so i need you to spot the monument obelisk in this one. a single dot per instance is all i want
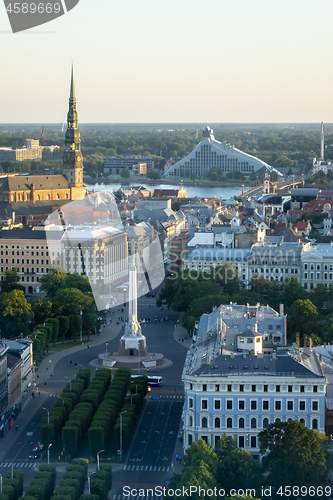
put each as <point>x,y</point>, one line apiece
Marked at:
<point>132,343</point>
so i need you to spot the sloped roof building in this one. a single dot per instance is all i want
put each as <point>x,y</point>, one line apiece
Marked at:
<point>210,153</point>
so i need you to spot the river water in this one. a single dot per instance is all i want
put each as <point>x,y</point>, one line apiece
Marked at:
<point>192,191</point>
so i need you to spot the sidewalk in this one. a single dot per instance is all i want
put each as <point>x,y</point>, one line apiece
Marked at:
<point>109,332</point>
<point>32,405</point>
<point>180,333</point>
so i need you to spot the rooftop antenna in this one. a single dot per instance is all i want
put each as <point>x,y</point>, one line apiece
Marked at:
<point>322,141</point>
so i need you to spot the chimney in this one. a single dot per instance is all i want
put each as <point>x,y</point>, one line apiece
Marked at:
<point>311,344</point>
<point>281,309</point>
<point>298,339</point>
<point>256,326</point>
<point>304,342</point>
<point>325,345</point>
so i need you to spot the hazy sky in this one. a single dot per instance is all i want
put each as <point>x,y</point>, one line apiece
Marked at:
<point>173,61</point>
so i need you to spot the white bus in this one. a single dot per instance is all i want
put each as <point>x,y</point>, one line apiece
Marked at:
<point>152,381</point>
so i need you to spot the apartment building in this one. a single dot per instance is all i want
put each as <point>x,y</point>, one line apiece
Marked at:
<point>239,377</point>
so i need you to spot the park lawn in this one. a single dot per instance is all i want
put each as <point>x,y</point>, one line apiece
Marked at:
<point>67,345</point>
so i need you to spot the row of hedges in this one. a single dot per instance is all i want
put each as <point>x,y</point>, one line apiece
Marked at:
<point>42,484</point>
<point>12,487</point>
<point>80,418</point>
<point>100,483</point>
<point>71,487</point>
<point>59,414</point>
<point>131,411</point>
<point>100,432</point>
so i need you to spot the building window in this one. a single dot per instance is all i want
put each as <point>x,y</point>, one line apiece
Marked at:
<point>229,423</point>
<point>241,442</point>
<point>241,404</point>
<point>253,388</point>
<point>302,388</point>
<point>190,403</point>
<point>190,421</point>
<point>253,423</point>
<point>301,405</point>
<point>217,423</point>
<point>277,420</point>
<point>302,421</point>
<point>315,424</point>
<point>229,388</point>
<point>204,387</point>
<point>204,422</point>
<point>315,388</point>
<point>217,387</point>
<point>217,404</point>
<point>204,404</point>
<point>265,423</point>
<point>253,405</point>
<point>265,388</point>
<point>253,441</point>
<point>265,404</point>
<point>290,405</point>
<point>190,438</point>
<point>229,404</point>
<point>290,388</point>
<point>277,388</point>
<point>315,406</point>
<point>278,405</point>
<point>241,423</point>
<point>241,388</point>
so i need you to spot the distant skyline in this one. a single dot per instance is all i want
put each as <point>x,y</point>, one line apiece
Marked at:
<point>181,61</point>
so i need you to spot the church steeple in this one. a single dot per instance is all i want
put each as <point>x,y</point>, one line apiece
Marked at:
<point>72,160</point>
<point>72,91</point>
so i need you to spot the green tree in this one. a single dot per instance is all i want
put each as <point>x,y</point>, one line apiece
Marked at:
<point>42,309</point>
<point>75,325</point>
<point>291,291</point>
<point>11,281</point>
<point>295,455</point>
<point>319,295</point>
<point>125,173</point>
<point>153,174</point>
<point>52,281</point>
<point>301,317</point>
<point>228,279</point>
<point>78,281</point>
<point>70,301</point>
<point>63,326</point>
<point>16,313</point>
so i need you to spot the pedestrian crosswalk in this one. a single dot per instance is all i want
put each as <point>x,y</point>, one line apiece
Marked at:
<point>165,396</point>
<point>132,497</point>
<point>18,465</point>
<point>146,468</point>
<point>54,395</point>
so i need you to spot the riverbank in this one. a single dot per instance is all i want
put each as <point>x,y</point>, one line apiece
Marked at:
<point>135,181</point>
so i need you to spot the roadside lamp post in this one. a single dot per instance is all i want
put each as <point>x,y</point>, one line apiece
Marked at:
<point>48,453</point>
<point>48,414</point>
<point>89,474</point>
<point>121,435</point>
<point>98,458</point>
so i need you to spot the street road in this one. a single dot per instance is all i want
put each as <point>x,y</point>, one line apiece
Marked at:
<point>149,460</point>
